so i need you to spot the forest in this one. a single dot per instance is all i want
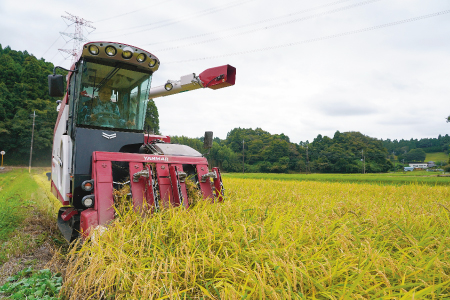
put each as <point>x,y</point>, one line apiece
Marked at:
<point>24,90</point>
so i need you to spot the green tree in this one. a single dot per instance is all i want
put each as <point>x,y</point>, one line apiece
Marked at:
<point>152,117</point>
<point>415,155</point>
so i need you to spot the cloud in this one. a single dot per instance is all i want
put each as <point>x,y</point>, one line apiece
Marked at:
<point>344,108</point>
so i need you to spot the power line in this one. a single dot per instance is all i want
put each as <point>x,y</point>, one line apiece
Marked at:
<point>171,22</point>
<point>132,12</point>
<point>272,26</point>
<point>53,43</point>
<point>327,37</point>
<point>253,23</point>
<point>56,53</point>
<point>51,46</point>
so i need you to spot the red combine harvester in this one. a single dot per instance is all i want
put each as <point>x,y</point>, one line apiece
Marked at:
<point>99,142</point>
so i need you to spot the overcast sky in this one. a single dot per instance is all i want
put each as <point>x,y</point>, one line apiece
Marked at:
<point>303,67</point>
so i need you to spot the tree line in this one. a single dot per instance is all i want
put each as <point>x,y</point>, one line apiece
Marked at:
<point>256,150</point>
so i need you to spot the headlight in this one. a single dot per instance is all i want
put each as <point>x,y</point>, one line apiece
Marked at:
<point>152,62</point>
<point>93,49</point>
<point>88,201</point>
<point>111,51</point>
<point>141,57</point>
<point>168,86</point>
<point>127,54</point>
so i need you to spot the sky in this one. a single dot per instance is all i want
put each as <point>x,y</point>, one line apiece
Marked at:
<point>303,68</point>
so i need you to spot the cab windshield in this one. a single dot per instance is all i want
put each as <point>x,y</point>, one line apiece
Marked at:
<point>112,97</point>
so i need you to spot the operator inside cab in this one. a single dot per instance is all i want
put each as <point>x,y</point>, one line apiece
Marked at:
<point>106,112</point>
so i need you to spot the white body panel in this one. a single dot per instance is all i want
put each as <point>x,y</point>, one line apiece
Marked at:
<point>62,156</point>
<point>186,83</point>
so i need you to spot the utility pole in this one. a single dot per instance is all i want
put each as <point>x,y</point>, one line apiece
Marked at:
<point>77,37</point>
<point>363,159</point>
<point>307,160</point>
<point>243,165</point>
<point>32,137</point>
<point>2,153</point>
<point>393,158</point>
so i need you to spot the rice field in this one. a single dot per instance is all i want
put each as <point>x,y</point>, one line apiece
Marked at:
<point>275,239</point>
<point>397,178</point>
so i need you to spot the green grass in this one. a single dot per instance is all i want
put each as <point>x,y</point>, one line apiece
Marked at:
<point>16,189</point>
<point>438,156</point>
<point>27,216</point>
<point>399,178</point>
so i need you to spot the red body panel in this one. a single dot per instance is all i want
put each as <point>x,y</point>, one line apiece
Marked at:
<point>205,186</point>
<point>218,186</point>
<point>88,220</point>
<point>137,188</point>
<point>103,191</point>
<point>208,77</point>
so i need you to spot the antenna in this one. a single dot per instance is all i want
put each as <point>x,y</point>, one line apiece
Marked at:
<point>77,37</point>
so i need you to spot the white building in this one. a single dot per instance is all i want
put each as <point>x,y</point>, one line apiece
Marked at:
<point>419,165</point>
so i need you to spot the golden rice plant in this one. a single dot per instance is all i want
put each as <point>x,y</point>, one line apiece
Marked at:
<point>275,240</point>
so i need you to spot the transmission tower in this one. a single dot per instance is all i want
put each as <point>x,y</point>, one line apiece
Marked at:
<point>77,37</point>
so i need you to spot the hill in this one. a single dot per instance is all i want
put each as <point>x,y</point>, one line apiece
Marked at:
<point>437,157</point>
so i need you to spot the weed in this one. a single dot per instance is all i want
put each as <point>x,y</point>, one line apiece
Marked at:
<point>30,284</point>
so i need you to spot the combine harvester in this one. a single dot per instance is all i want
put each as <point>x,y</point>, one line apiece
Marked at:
<point>100,145</point>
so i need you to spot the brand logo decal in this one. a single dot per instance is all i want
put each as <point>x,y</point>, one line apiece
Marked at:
<point>156,158</point>
<point>108,136</point>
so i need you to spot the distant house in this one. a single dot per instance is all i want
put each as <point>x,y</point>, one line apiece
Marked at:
<point>431,164</point>
<point>406,169</point>
<point>419,165</point>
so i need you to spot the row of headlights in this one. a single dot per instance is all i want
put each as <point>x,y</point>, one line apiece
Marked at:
<point>127,53</point>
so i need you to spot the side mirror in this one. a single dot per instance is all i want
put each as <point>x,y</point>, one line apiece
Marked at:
<point>208,141</point>
<point>55,85</point>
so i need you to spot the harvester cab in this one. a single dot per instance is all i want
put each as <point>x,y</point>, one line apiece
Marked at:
<point>100,145</point>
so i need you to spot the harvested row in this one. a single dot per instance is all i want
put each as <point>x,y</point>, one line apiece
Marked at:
<point>275,240</point>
